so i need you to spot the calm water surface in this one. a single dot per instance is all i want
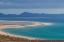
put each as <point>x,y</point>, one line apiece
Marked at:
<point>52,32</point>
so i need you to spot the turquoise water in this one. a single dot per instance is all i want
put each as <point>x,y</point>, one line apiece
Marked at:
<point>52,32</point>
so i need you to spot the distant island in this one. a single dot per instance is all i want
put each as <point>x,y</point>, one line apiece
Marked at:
<point>28,14</point>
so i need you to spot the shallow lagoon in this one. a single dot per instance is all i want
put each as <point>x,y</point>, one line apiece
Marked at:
<point>52,32</point>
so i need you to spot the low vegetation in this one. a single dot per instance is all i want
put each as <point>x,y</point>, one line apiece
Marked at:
<point>4,38</point>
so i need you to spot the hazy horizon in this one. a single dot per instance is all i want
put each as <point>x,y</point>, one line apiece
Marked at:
<point>19,11</point>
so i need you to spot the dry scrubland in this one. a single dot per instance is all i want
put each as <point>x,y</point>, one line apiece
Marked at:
<point>4,38</point>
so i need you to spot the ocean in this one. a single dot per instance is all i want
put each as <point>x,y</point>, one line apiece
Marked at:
<point>52,32</point>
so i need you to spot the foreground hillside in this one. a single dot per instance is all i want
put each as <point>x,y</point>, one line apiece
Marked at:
<point>4,38</point>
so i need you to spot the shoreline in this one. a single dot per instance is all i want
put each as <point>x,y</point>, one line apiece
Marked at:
<point>9,25</point>
<point>18,36</point>
<point>13,35</point>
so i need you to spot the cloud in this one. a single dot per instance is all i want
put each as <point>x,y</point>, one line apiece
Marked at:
<point>1,2</point>
<point>5,3</point>
<point>31,4</point>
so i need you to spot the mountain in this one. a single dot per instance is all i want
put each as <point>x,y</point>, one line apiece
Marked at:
<point>27,14</point>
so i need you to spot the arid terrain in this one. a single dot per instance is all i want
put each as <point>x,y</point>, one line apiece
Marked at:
<point>4,38</point>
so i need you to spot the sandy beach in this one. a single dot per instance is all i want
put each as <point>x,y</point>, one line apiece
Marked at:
<point>12,35</point>
<point>17,25</point>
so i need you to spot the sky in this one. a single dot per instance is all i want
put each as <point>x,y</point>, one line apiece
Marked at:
<point>29,5</point>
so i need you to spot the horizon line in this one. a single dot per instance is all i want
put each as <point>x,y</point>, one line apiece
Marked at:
<point>33,12</point>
